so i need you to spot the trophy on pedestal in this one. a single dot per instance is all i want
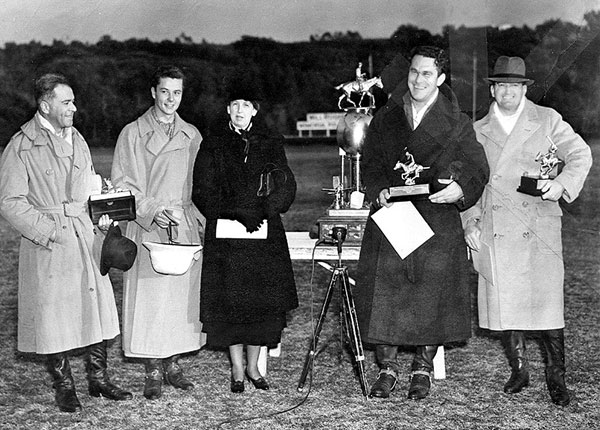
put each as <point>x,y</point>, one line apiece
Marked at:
<point>533,184</point>
<point>412,171</point>
<point>349,206</point>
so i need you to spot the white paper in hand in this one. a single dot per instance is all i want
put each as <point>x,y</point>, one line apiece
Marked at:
<point>231,229</point>
<point>403,226</point>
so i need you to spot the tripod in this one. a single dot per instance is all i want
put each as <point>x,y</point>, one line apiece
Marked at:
<point>348,317</point>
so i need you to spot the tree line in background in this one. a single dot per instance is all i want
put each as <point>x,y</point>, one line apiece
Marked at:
<point>112,78</point>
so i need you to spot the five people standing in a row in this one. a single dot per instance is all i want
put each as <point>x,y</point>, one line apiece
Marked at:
<point>189,189</point>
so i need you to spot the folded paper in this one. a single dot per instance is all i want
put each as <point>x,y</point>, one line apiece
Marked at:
<point>403,226</point>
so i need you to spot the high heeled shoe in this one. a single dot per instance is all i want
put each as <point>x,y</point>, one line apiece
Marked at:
<point>259,383</point>
<point>237,386</point>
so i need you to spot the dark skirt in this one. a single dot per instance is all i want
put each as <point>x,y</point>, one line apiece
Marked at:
<point>221,334</point>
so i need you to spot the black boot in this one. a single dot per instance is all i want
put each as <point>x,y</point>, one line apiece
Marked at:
<point>554,344</point>
<point>99,382</point>
<point>514,343</point>
<point>388,371</point>
<point>173,374</point>
<point>59,368</point>
<point>422,367</point>
<point>154,378</point>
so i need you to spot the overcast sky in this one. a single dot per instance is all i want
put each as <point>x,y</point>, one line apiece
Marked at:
<point>225,21</point>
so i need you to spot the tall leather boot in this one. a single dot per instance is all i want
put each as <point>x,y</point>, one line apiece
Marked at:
<point>554,344</point>
<point>99,382</point>
<point>388,371</point>
<point>173,374</point>
<point>65,396</point>
<point>514,343</point>
<point>422,367</point>
<point>154,378</point>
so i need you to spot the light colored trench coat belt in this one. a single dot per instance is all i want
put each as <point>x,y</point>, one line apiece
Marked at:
<point>69,209</point>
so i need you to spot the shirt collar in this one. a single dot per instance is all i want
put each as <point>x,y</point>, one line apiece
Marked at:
<point>66,133</point>
<point>418,116</point>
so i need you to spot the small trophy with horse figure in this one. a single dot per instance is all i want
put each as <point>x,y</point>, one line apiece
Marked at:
<point>412,171</point>
<point>533,184</point>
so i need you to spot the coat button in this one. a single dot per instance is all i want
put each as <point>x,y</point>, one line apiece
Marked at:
<point>64,227</point>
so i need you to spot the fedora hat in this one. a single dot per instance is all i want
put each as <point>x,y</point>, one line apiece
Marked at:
<point>509,69</point>
<point>117,251</point>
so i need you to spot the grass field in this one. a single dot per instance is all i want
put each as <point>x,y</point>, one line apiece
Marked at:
<point>470,397</point>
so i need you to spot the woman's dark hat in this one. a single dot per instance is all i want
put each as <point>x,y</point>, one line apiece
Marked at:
<point>242,87</point>
<point>117,251</point>
<point>509,69</point>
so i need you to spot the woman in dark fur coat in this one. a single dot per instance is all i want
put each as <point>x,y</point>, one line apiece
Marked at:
<point>241,174</point>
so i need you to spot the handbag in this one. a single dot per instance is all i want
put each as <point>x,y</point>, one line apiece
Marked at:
<point>266,184</point>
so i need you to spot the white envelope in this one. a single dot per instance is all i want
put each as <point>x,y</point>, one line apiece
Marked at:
<point>232,229</point>
<point>403,226</point>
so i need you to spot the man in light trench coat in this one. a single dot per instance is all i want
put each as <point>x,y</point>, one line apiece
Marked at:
<point>520,234</point>
<point>46,177</point>
<point>154,158</point>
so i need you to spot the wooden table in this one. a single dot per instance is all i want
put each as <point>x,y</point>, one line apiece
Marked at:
<point>301,248</point>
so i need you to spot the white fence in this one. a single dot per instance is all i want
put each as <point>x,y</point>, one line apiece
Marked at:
<point>324,121</point>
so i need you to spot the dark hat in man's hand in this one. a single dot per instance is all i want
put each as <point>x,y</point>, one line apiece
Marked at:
<point>509,69</point>
<point>118,251</point>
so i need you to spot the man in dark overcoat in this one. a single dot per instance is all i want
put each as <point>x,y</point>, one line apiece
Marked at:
<point>422,300</point>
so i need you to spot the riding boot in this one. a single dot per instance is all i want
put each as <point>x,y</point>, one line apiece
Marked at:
<point>66,397</point>
<point>388,371</point>
<point>99,382</point>
<point>514,343</point>
<point>154,378</point>
<point>554,345</point>
<point>173,374</point>
<point>422,368</point>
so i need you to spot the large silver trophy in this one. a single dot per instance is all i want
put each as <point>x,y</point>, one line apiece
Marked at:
<point>351,132</point>
<point>349,208</point>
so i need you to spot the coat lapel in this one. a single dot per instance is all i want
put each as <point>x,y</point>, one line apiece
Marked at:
<point>526,126</point>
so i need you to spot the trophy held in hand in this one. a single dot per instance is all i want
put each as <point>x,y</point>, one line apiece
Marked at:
<point>533,184</point>
<point>411,190</point>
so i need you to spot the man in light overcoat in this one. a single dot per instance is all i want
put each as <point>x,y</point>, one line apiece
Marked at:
<point>154,158</point>
<point>46,178</point>
<point>516,236</point>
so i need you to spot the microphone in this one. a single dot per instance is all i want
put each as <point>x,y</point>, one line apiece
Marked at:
<point>339,234</point>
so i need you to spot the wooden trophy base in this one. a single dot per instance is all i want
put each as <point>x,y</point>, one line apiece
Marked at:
<point>409,192</point>
<point>532,185</point>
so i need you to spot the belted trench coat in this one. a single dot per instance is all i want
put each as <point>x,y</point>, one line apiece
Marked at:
<point>425,298</point>
<point>523,231</point>
<point>63,300</point>
<point>160,312</point>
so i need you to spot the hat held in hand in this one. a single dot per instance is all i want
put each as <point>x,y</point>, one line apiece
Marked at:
<point>510,70</point>
<point>118,251</point>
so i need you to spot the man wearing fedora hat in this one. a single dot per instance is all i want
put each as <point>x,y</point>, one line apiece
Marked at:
<point>519,234</point>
